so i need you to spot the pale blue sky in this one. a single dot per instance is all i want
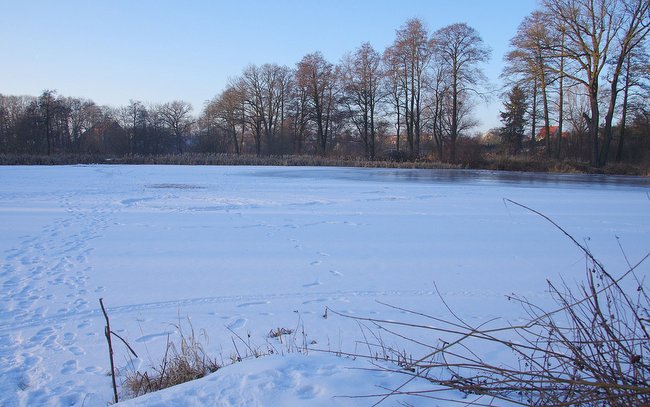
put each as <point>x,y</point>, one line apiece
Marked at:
<point>160,50</point>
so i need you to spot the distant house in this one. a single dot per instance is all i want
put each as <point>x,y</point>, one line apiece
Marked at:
<point>106,137</point>
<point>554,130</point>
<point>491,138</point>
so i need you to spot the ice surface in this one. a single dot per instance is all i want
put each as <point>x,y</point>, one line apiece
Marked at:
<point>247,250</point>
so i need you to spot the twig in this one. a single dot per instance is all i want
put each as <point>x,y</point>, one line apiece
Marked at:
<point>126,344</point>
<point>107,333</point>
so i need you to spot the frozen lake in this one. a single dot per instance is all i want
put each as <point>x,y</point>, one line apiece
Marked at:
<point>251,249</point>
<point>470,177</point>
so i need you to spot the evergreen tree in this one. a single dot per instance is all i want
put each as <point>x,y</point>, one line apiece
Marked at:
<point>513,119</point>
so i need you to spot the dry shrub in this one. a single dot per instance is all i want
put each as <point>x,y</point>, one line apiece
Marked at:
<point>181,363</point>
<point>218,159</point>
<point>592,350</point>
<point>187,360</point>
<point>279,332</point>
<point>274,160</point>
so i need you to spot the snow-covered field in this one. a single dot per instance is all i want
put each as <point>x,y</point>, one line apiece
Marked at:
<point>241,251</point>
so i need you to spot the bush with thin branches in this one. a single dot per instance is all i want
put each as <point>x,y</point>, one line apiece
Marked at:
<point>593,349</point>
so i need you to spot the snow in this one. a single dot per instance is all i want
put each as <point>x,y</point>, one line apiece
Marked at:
<point>289,380</point>
<point>239,251</point>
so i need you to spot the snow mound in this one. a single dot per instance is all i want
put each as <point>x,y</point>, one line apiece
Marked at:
<point>293,380</point>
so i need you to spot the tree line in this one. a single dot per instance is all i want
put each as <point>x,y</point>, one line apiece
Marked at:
<point>576,67</point>
<point>577,78</point>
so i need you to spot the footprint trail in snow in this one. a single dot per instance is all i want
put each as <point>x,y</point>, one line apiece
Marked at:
<point>46,294</point>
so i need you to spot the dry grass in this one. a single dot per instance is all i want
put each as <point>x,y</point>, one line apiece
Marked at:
<point>280,332</point>
<point>475,160</point>
<point>537,163</point>
<point>182,362</point>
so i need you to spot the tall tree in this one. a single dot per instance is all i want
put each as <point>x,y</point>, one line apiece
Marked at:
<point>266,90</point>
<point>408,60</point>
<point>227,111</point>
<point>528,63</point>
<point>635,26</point>
<point>84,114</point>
<point>317,78</point>
<point>460,49</point>
<point>560,118</point>
<point>438,105</point>
<point>298,116</point>
<point>133,119</point>
<point>513,118</point>
<point>596,31</point>
<point>394,89</point>
<point>177,117</point>
<point>636,75</point>
<point>576,106</point>
<point>48,109</point>
<point>4,124</point>
<point>13,110</point>
<point>361,75</point>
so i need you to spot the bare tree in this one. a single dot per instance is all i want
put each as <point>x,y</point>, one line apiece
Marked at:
<point>577,107</point>
<point>361,75</point>
<point>159,135</point>
<point>528,66</point>
<point>394,89</point>
<point>5,124</point>
<point>227,111</point>
<point>83,115</point>
<point>408,60</point>
<point>177,117</point>
<point>133,119</point>
<point>250,86</point>
<point>439,101</point>
<point>634,29</point>
<point>595,31</point>
<point>316,77</point>
<point>460,49</point>
<point>636,75</point>
<point>297,113</point>
<point>266,92</point>
<point>13,110</point>
<point>52,118</point>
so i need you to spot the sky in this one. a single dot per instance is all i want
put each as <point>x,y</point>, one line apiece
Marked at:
<point>157,51</point>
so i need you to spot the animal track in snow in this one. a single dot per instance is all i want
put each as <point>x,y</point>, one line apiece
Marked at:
<point>318,300</point>
<point>151,337</point>
<point>237,324</point>
<point>251,304</point>
<point>69,367</point>
<point>314,284</point>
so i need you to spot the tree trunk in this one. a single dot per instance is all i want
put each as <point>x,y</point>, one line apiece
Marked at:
<point>626,89</point>
<point>547,122</point>
<point>609,119</point>
<point>560,119</point>
<point>534,116</point>
<point>593,124</point>
<point>48,130</point>
<point>454,114</point>
<point>398,129</point>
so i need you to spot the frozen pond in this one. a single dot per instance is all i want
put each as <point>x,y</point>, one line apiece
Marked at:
<point>245,250</point>
<point>471,177</point>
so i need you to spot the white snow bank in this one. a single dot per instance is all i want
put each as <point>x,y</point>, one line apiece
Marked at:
<point>291,380</point>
